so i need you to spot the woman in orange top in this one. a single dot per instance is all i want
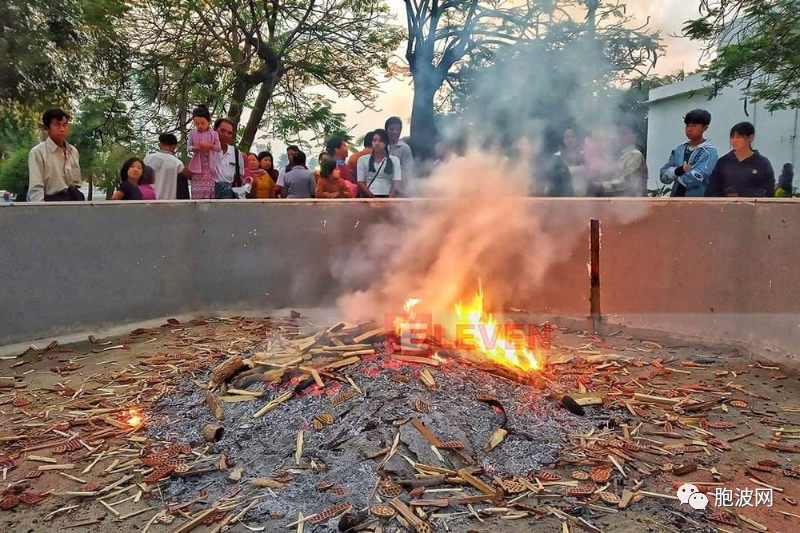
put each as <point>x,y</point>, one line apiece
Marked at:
<point>263,175</point>
<point>330,184</point>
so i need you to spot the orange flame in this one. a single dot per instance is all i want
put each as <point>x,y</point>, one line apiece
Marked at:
<point>400,323</point>
<point>134,417</point>
<point>489,340</point>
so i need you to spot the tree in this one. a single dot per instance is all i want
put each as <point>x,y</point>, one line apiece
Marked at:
<point>440,34</point>
<point>260,57</point>
<point>462,43</point>
<point>756,41</point>
<point>51,49</point>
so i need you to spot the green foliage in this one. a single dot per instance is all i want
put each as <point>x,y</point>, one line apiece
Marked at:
<point>18,127</point>
<point>14,172</point>
<point>753,42</point>
<point>269,57</point>
<point>51,49</point>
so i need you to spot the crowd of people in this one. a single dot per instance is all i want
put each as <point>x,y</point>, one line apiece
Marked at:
<point>572,166</point>
<point>567,166</point>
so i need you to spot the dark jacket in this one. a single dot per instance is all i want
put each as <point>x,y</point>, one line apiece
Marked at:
<point>753,177</point>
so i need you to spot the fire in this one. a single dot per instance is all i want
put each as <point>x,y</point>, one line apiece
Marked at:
<point>489,340</point>
<point>134,417</point>
<point>401,324</point>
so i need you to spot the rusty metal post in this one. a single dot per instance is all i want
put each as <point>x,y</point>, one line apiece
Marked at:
<point>594,273</point>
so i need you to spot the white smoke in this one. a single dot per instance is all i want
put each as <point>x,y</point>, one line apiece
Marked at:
<point>475,223</point>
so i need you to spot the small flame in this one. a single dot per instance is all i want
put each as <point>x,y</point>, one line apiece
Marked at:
<point>134,417</point>
<point>400,323</point>
<point>490,340</point>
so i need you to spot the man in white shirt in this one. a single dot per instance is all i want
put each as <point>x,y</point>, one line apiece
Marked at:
<point>53,164</point>
<point>166,167</point>
<point>229,162</point>
<point>399,149</point>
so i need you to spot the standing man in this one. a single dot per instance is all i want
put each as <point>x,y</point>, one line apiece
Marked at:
<point>690,165</point>
<point>338,151</point>
<point>55,172</point>
<point>291,150</point>
<point>166,167</point>
<point>627,174</point>
<point>230,162</point>
<point>399,149</point>
<point>353,161</point>
<point>299,182</point>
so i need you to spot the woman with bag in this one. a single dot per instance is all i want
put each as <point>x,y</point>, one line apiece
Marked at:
<point>378,174</point>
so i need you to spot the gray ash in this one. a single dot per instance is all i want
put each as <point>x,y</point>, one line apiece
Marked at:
<point>362,426</point>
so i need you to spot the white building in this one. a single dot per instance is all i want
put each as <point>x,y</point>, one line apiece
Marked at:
<point>776,133</point>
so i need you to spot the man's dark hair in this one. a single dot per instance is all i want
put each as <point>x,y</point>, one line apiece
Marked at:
<point>293,147</point>
<point>368,139</point>
<point>327,168</point>
<point>168,139</point>
<point>333,144</point>
<point>745,129</point>
<point>54,114</point>
<point>299,158</point>
<point>697,116</point>
<point>220,120</point>
<point>393,121</point>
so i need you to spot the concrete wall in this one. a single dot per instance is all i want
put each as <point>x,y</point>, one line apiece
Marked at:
<point>719,269</point>
<point>776,133</point>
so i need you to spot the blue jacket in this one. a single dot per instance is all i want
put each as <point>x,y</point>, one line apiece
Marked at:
<point>703,160</point>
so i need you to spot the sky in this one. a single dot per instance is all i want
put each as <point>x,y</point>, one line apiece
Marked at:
<point>666,16</point>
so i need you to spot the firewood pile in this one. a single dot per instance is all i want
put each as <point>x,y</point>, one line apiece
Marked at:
<point>281,425</point>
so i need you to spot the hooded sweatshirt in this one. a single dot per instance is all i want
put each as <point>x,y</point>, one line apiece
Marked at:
<point>703,159</point>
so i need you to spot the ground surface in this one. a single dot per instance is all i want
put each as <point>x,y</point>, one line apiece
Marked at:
<point>140,373</point>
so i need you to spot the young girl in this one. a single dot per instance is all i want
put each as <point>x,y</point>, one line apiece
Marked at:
<point>379,174</point>
<point>146,183</point>
<point>129,176</point>
<point>330,184</point>
<point>742,171</point>
<point>203,140</point>
<point>264,179</point>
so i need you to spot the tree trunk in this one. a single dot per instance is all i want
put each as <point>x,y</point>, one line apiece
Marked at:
<point>423,119</point>
<point>240,89</point>
<point>260,106</point>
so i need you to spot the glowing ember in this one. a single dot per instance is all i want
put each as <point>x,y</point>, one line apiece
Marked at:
<point>490,340</point>
<point>133,417</point>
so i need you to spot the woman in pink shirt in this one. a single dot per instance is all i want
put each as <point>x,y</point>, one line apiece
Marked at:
<point>203,140</point>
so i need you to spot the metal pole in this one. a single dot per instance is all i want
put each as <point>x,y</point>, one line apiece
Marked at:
<point>594,272</point>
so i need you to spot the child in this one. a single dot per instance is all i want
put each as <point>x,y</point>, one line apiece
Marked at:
<point>130,174</point>
<point>330,183</point>
<point>690,165</point>
<point>202,141</point>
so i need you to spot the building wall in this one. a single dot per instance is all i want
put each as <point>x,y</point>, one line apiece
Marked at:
<point>717,269</point>
<point>776,133</point>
